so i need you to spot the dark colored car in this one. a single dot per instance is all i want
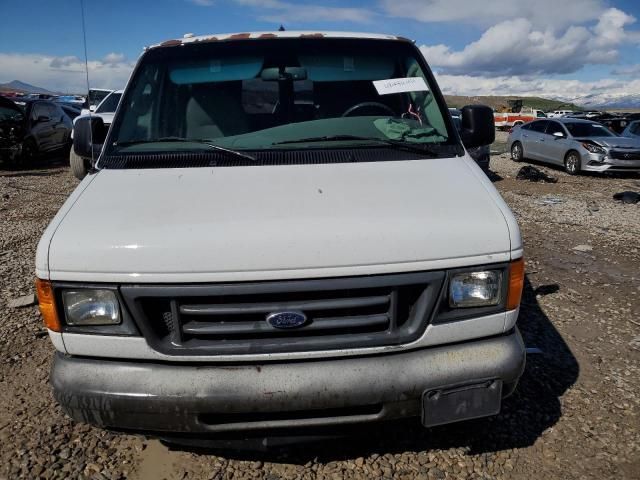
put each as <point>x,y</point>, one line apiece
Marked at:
<point>31,129</point>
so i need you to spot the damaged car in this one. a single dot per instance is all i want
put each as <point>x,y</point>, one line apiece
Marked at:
<point>575,144</point>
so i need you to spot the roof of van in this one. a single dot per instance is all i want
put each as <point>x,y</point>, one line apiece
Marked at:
<point>190,38</point>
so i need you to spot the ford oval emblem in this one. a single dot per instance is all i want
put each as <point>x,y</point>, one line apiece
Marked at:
<point>285,320</point>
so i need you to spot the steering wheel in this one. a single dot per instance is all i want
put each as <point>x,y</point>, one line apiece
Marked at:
<point>372,105</point>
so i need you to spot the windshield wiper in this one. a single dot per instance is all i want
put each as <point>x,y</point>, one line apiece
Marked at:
<point>413,147</point>
<point>204,142</point>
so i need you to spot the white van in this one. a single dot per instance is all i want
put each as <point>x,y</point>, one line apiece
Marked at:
<point>282,230</point>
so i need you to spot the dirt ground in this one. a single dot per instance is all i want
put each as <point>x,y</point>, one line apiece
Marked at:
<point>575,414</point>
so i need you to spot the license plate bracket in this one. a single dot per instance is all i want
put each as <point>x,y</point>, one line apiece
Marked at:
<point>463,402</point>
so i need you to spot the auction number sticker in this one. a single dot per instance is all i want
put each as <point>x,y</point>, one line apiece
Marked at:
<point>400,85</point>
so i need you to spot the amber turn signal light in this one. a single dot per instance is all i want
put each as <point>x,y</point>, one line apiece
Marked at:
<point>516,283</point>
<point>47,304</point>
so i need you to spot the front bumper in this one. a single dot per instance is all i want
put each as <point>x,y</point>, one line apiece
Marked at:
<point>165,397</point>
<point>592,162</point>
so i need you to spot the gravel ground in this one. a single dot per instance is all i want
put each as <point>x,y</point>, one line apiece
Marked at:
<point>573,416</point>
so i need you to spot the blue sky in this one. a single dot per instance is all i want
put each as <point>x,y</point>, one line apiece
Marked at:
<point>475,47</point>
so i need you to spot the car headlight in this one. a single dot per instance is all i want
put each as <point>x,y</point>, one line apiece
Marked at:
<point>91,307</point>
<point>475,289</point>
<point>593,148</point>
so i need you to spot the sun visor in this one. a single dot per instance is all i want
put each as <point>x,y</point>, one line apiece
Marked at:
<point>336,68</point>
<point>216,70</point>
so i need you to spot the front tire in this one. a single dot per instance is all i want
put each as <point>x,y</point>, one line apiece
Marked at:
<point>517,153</point>
<point>78,165</point>
<point>29,153</point>
<point>572,163</point>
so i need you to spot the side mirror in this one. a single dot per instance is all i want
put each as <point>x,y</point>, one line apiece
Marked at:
<point>89,134</point>
<point>478,127</point>
<point>43,119</point>
<point>558,135</point>
<point>92,108</point>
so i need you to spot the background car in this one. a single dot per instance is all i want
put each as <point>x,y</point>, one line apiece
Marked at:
<point>578,145</point>
<point>632,130</point>
<point>559,113</point>
<point>31,129</point>
<point>482,154</point>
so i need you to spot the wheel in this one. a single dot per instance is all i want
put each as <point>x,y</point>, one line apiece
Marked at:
<point>517,154</point>
<point>572,163</point>
<point>29,153</point>
<point>78,165</point>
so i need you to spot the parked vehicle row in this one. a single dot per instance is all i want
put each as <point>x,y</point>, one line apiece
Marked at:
<point>576,144</point>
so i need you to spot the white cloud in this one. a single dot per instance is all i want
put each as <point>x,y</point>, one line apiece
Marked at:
<point>544,87</point>
<point>627,70</point>
<point>293,13</point>
<point>541,13</point>
<point>65,74</point>
<point>517,47</point>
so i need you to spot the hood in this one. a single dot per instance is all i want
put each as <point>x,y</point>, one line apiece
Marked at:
<point>265,222</point>
<point>614,142</point>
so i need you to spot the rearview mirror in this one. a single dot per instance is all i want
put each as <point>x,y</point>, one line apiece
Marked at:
<point>273,74</point>
<point>477,126</point>
<point>88,136</point>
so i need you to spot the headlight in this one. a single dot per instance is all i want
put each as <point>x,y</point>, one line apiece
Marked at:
<point>91,307</point>
<point>593,148</point>
<point>475,289</point>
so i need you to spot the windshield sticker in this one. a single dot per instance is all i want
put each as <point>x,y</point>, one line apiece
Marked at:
<point>400,85</point>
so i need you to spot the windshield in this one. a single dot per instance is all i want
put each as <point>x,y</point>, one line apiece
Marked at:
<point>96,96</point>
<point>588,130</point>
<point>280,94</point>
<point>109,104</point>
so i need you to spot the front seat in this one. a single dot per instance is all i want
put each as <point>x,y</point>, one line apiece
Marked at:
<point>215,110</point>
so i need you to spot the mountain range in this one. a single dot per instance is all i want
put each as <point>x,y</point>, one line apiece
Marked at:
<point>18,86</point>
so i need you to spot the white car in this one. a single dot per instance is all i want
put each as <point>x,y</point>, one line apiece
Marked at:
<point>105,110</point>
<point>559,113</point>
<point>283,230</point>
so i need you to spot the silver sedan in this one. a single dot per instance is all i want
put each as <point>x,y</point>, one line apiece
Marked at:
<point>578,145</point>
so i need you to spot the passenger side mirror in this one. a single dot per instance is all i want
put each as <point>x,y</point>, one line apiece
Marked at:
<point>478,127</point>
<point>89,134</point>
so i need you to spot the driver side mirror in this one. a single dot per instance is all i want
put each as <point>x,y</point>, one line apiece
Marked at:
<point>477,126</point>
<point>89,134</point>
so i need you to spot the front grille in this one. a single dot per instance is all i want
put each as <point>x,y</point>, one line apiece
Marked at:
<point>625,155</point>
<point>230,318</point>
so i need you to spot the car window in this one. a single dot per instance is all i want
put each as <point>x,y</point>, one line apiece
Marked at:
<point>7,113</point>
<point>53,111</point>
<point>554,127</point>
<point>109,104</point>
<point>635,128</point>
<point>587,129</point>
<point>539,126</point>
<point>279,94</point>
<point>39,110</point>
